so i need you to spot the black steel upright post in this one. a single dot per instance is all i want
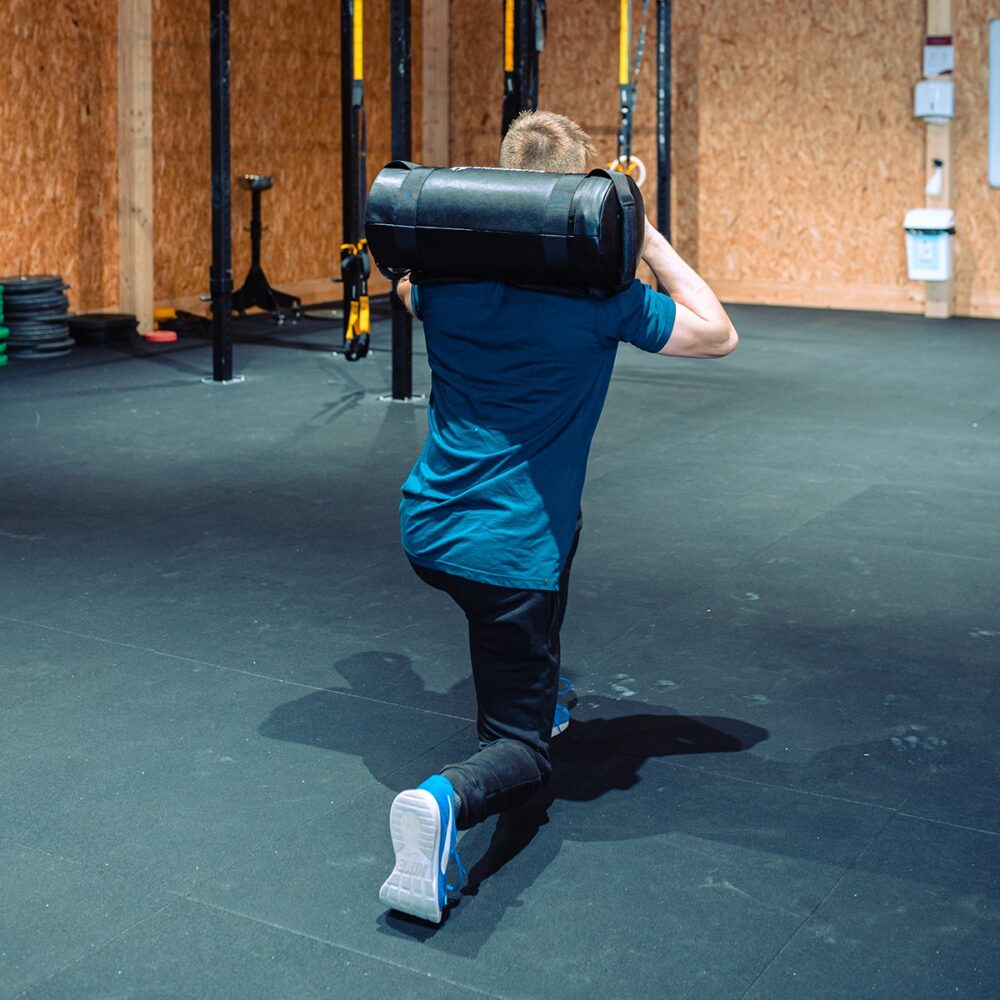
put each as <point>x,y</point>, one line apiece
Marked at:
<point>220,279</point>
<point>524,38</point>
<point>523,48</point>
<point>535,24</point>
<point>402,149</point>
<point>511,99</point>
<point>256,228</point>
<point>663,125</point>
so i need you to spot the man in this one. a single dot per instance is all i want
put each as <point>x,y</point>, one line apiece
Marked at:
<point>490,511</point>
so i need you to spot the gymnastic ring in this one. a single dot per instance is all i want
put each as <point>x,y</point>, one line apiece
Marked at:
<point>630,165</point>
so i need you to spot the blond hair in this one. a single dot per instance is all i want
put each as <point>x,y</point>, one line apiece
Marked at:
<point>544,140</point>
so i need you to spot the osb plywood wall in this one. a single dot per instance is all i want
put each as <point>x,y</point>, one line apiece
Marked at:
<point>795,152</point>
<point>58,124</point>
<point>809,153</point>
<point>977,206</point>
<point>58,120</point>
<point>579,78</point>
<point>285,122</point>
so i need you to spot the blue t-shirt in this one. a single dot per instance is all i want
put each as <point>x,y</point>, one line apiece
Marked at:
<point>518,382</point>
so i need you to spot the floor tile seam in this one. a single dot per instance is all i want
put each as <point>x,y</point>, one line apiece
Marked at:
<point>382,778</point>
<point>896,481</point>
<point>57,855</point>
<point>351,694</point>
<point>846,870</point>
<point>102,518</point>
<point>206,878</point>
<point>899,546</point>
<point>971,722</point>
<point>747,558</point>
<point>944,822</point>
<point>600,647</point>
<point>328,811</point>
<point>236,670</point>
<point>867,485</point>
<point>128,873</point>
<point>768,784</point>
<point>875,545</point>
<point>100,947</point>
<point>359,952</point>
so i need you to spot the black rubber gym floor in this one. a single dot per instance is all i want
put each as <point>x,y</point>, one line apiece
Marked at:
<point>217,669</point>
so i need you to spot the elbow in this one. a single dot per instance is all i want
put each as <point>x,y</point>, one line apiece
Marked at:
<point>727,342</point>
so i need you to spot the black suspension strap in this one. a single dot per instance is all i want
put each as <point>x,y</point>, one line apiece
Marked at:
<point>628,79</point>
<point>355,264</point>
<point>524,26</point>
<point>355,268</point>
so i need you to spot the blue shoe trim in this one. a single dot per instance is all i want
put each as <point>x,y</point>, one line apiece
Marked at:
<point>560,720</point>
<point>444,794</point>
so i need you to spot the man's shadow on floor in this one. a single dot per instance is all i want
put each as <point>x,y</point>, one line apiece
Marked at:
<point>602,753</point>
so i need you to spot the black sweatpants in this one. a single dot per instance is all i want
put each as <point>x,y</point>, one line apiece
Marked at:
<point>514,646</point>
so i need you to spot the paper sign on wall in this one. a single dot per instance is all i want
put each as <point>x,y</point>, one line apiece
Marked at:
<point>939,55</point>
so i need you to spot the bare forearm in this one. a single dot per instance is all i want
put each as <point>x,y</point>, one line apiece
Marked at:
<point>681,282</point>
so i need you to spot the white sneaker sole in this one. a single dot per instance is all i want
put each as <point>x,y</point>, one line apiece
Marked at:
<point>415,828</point>
<point>557,729</point>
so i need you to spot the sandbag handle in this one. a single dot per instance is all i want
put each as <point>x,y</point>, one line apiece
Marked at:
<point>406,212</point>
<point>628,197</point>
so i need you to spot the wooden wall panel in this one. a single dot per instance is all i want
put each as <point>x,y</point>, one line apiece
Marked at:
<point>285,122</point>
<point>977,205</point>
<point>476,81</point>
<point>809,153</point>
<point>795,151</point>
<point>58,171</point>
<point>182,199</point>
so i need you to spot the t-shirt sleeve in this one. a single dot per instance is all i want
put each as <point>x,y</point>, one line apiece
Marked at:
<point>647,317</point>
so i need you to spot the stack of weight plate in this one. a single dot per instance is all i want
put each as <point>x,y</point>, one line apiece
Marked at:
<point>3,333</point>
<point>36,315</point>
<point>103,328</point>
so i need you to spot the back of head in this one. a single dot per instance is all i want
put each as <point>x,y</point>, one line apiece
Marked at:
<point>544,140</point>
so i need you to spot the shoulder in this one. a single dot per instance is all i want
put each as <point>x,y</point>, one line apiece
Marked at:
<point>645,317</point>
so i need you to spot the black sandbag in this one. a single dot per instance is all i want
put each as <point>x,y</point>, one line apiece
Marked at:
<point>581,231</point>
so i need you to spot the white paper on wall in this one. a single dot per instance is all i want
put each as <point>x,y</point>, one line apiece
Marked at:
<point>939,59</point>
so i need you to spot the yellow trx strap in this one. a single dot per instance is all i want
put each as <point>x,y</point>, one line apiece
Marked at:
<point>356,266</point>
<point>624,39</point>
<point>625,162</point>
<point>508,36</point>
<point>359,35</point>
